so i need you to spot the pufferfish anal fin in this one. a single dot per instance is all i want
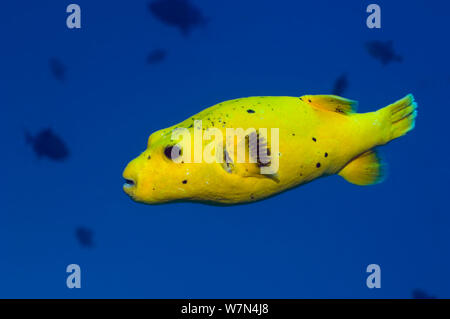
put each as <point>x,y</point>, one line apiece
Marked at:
<point>366,169</point>
<point>331,103</point>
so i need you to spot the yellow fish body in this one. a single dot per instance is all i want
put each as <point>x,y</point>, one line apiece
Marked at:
<point>318,135</point>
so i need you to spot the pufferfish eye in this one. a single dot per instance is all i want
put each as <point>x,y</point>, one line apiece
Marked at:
<point>172,152</point>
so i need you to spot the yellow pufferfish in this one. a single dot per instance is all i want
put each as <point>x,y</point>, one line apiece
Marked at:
<point>319,135</point>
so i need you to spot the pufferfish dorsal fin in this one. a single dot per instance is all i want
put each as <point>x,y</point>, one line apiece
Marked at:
<point>331,103</point>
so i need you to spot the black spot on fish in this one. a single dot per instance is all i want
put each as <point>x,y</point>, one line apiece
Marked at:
<point>190,125</point>
<point>252,197</point>
<point>293,134</point>
<point>185,181</point>
<point>250,111</point>
<point>309,101</point>
<point>149,157</point>
<point>326,154</point>
<point>318,165</point>
<point>314,139</point>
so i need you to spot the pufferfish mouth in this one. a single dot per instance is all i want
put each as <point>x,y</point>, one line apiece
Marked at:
<point>129,186</point>
<point>128,183</point>
<point>130,177</point>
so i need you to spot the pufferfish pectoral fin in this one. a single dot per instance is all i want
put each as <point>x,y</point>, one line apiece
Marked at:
<point>331,103</point>
<point>254,170</point>
<point>366,169</point>
<point>258,150</point>
<point>255,159</point>
<point>247,170</point>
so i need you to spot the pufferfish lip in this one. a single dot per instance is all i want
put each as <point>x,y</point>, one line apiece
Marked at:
<point>129,186</point>
<point>130,177</point>
<point>128,183</point>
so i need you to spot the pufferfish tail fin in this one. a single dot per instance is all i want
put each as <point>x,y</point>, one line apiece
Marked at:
<point>396,120</point>
<point>399,117</point>
<point>366,169</point>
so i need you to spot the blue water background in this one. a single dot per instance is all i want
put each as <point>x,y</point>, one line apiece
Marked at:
<point>311,242</point>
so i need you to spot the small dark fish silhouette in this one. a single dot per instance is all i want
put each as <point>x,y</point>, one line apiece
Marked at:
<point>340,85</point>
<point>383,51</point>
<point>46,143</point>
<point>178,13</point>
<point>58,69</point>
<point>420,294</point>
<point>156,56</point>
<point>85,236</point>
